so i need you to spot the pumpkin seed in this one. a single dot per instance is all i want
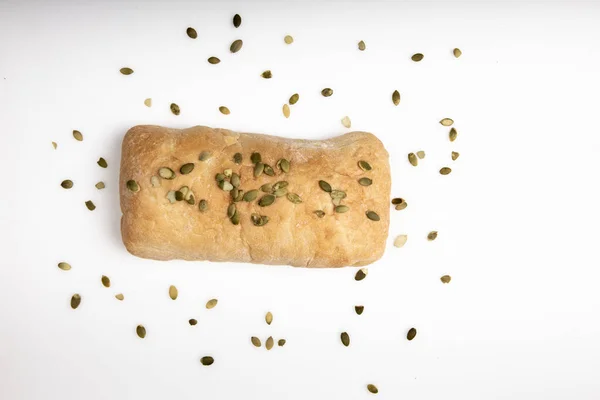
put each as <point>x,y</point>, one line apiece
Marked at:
<point>255,158</point>
<point>294,98</point>
<point>105,281</point>
<point>119,296</point>
<point>126,71</point>
<point>226,186</point>
<point>455,155</point>
<point>346,122</point>
<point>452,135</point>
<point>365,166</point>
<point>345,339</point>
<point>325,186</point>
<point>90,205</point>
<point>235,180</point>
<point>266,188</point>
<point>417,57</point>
<point>191,32</point>
<point>286,110</point>
<point>255,341</point>
<point>237,20</point>
<point>171,196</point>
<point>203,205</point>
<point>100,185</point>
<point>267,74</point>
<point>211,303</point>
<point>237,158</point>
<point>396,97</point>
<point>280,192</point>
<point>445,171</point>
<point>288,39</point>
<point>231,210</point>
<point>280,185</point>
<point>412,159</point>
<point>250,195</point>
<point>67,184</point>
<point>337,194</point>
<point>166,173</point>
<point>327,92</point>
<point>361,274</point>
<point>236,46</point>
<point>227,172</point>
<point>266,200</point>
<point>54,145</point>
<point>269,343</point>
<point>207,360</point>
<point>397,200</point>
<point>224,110</point>
<point>102,162</point>
<point>268,170</point>
<point>179,195</point>
<point>447,121</point>
<point>361,46</point>
<point>336,201</point>
<point>148,102</point>
<point>457,53</point>
<point>281,342</point>
<point>259,220</point>
<point>75,301</point>
<point>400,240</point>
<point>191,200</point>
<point>372,388</point>
<point>372,215</point>
<point>220,177</point>
<point>432,235</point>
<point>234,193</point>
<point>133,186</point>
<point>365,181</point>
<point>213,60</point>
<point>294,198</point>
<point>175,109</point>
<point>141,331</point>
<point>205,155</point>
<point>258,169</point>
<point>319,213</point>
<point>269,318</point>
<point>186,168</point>
<point>445,279</point>
<point>412,332</point>
<point>283,165</point>
<point>421,154</point>
<point>359,309</point>
<point>235,219</point>
<point>193,322</point>
<point>65,266</point>
<point>340,209</point>
<point>184,191</point>
<point>173,292</point>
<point>78,136</point>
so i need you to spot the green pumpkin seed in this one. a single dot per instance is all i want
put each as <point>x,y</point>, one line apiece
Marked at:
<point>365,181</point>
<point>457,53</point>
<point>397,200</point>
<point>255,158</point>
<point>236,46</point>
<point>250,195</point>
<point>78,136</point>
<point>345,339</point>
<point>234,193</point>
<point>207,360</point>
<point>126,71</point>
<point>141,331</point>
<point>213,60</point>
<point>294,198</point>
<point>412,159</point>
<point>325,186</point>
<point>326,92</point>
<point>171,196</point>
<point>361,46</point>
<point>258,169</point>
<point>235,180</point>
<point>173,292</point>
<point>75,301</point>
<point>240,196</point>
<point>166,173</point>
<point>340,209</point>
<point>337,194</point>
<point>148,102</point>
<point>281,342</point>
<point>237,20</point>
<point>269,318</point>
<point>100,185</point>
<point>283,165</point>
<point>319,213</point>
<point>372,215</point>
<point>280,185</point>
<point>432,235</point>
<point>445,279</point>
<point>361,274</point>
<point>105,281</point>
<point>447,121</point>
<point>372,388</point>
<point>119,296</point>
<point>212,303</point>
<point>226,186</point>
<point>133,186</point>
<point>67,184</point>
<point>286,110</point>
<point>455,155</point>
<point>259,220</point>
<point>186,168</point>
<point>294,98</point>
<point>220,177</point>
<point>191,32</point>
<point>266,200</point>
<point>90,205</point>
<point>205,155</point>
<point>445,171</point>
<point>396,97</point>
<point>359,309</point>
<point>412,332</point>
<point>235,219</point>
<point>417,57</point>
<point>421,154</point>
<point>266,188</point>
<point>102,162</point>
<point>288,39</point>
<point>269,343</point>
<point>54,145</point>
<point>179,195</point>
<point>224,110</point>
<point>203,205</point>
<point>193,322</point>
<point>231,210</point>
<point>175,109</point>
<point>268,170</point>
<point>280,192</point>
<point>452,135</point>
<point>237,158</point>
<point>400,240</point>
<point>255,341</point>
<point>365,166</point>
<point>191,200</point>
<point>65,266</point>
<point>267,74</point>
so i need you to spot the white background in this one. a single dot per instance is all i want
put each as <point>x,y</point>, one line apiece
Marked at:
<point>517,218</point>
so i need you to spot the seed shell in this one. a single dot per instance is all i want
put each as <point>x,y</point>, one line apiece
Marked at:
<point>361,46</point>
<point>78,136</point>
<point>412,332</point>
<point>281,342</point>
<point>255,341</point>
<point>372,388</point>
<point>359,309</point>
<point>400,240</point>
<point>67,184</point>
<point>412,159</point>
<point>267,74</point>
<point>75,301</point>
<point>224,110</point>
<point>173,292</point>
<point>346,122</point>
<point>432,235</point>
<point>100,185</point>
<point>286,110</point>
<point>327,92</point>
<point>237,20</point>
<point>455,155</point>
<point>445,279</point>
<point>211,303</point>
<point>421,154</point>
<point>119,296</point>
<point>166,173</point>
<point>207,360</point>
<point>269,343</point>
<point>191,32</point>
<point>345,339</point>
<point>452,135</point>
<point>396,97</point>
<point>288,39</point>
<point>175,109</point>
<point>445,171</point>
<point>269,318</point>
<point>90,205</point>
<point>361,274</point>
<point>213,60</point>
<point>457,53</point>
<point>126,71</point>
<point>102,162</point>
<point>447,121</point>
<point>294,98</point>
<point>141,331</point>
<point>236,46</point>
<point>148,102</point>
<point>105,281</point>
<point>65,266</point>
<point>417,57</point>
<point>193,321</point>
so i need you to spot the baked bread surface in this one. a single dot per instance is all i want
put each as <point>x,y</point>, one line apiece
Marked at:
<point>154,227</point>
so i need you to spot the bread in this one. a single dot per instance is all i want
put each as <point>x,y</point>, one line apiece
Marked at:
<point>154,227</point>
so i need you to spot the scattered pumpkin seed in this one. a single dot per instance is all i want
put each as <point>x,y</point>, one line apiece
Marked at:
<point>259,220</point>
<point>255,341</point>
<point>286,110</point>
<point>412,159</point>
<point>266,188</point>
<point>283,165</point>
<point>417,57</point>
<point>396,97</point>
<point>191,32</point>
<point>191,200</point>
<point>211,303</point>
<point>288,39</point>
<point>457,53</point>
<point>294,198</point>
<point>173,292</point>
<point>412,332</point>
<point>166,173</point>
<point>345,339</point>
<point>220,177</point>
<point>250,195</point>
<point>193,322</point>
<point>171,196</point>
<point>235,219</point>
<point>207,360</point>
<point>67,184</point>
<point>346,122</point>
<point>54,145</point>
<point>105,281</point>
<point>234,193</point>
<point>336,202</point>
<point>432,235</point>
<point>75,301</point>
<point>231,210</point>
<point>325,186</point>
<point>175,109</point>
<point>445,171</point>
<point>119,296</point>
<point>400,240</point>
<point>226,186</point>
<point>372,388</point>
<point>421,154</point>
<point>294,98</point>
<point>266,200</point>
<point>102,162</point>
<point>361,274</point>
<point>397,200</point>
<point>148,102</point>
<point>203,205</point>
<point>237,158</point>
<point>141,331</point>
<point>359,309</point>
<point>365,166</point>
<point>280,185</point>
<point>65,266</point>
<point>268,170</point>
<point>235,180</point>
<point>340,209</point>
<point>224,110</point>
<point>126,71</point>
<point>281,342</point>
<point>365,181</point>
<point>186,168</point>
<point>372,215</point>
<point>236,46</point>
<point>455,155</point>
<point>255,158</point>
<point>133,186</point>
<point>213,60</point>
<point>205,155</point>
<point>269,343</point>
<point>100,185</point>
<point>78,136</point>
<point>90,205</point>
<point>185,191</point>
<point>258,169</point>
<point>280,192</point>
<point>361,46</point>
<point>267,74</point>
<point>452,135</point>
<point>269,318</point>
<point>447,121</point>
<point>327,92</point>
<point>445,279</point>
<point>319,213</point>
<point>237,20</point>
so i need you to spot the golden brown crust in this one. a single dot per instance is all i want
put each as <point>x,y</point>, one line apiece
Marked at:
<point>154,228</point>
